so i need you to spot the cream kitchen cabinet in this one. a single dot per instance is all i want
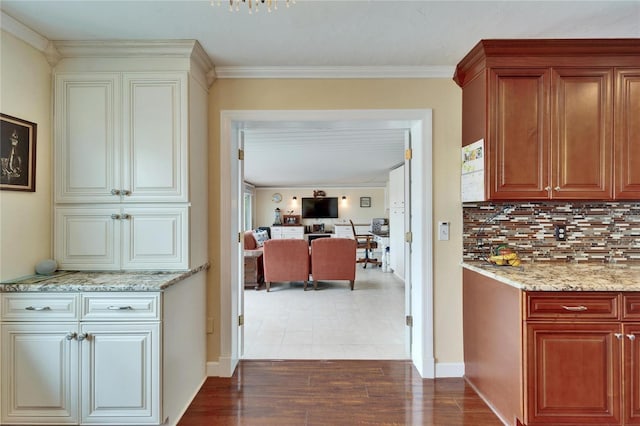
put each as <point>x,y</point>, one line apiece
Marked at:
<point>127,237</point>
<point>102,365</point>
<point>121,137</point>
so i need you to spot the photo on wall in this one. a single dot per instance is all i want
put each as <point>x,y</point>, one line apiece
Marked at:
<point>17,154</point>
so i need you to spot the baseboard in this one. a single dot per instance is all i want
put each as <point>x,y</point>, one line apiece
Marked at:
<point>224,367</point>
<point>450,369</point>
<point>213,369</point>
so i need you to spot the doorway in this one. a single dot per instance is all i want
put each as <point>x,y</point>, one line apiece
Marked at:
<point>418,122</point>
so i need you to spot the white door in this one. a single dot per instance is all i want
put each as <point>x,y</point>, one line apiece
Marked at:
<point>87,138</point>
<point>155,238</point>
<point>241,220</point>
<point>155,137</point>
<point>87,238</point>
<point>120,373</point>
<point>39,373</point>
<point>406,245</point>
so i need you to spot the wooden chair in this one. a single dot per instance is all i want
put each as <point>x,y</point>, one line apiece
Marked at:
<point>365,241</point>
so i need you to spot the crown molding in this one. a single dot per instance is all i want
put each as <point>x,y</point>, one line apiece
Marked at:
<point>125,48</point>
<point>24,33</point>
<point>335,72</point>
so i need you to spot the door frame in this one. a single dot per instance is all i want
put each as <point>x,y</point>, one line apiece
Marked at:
<point>419,122</point>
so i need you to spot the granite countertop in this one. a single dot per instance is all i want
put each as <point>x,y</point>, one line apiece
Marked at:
<point>70,281</point>
<point>562,276</point>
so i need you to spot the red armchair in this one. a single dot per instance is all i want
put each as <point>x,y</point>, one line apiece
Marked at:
<point>286,260</point>
<point>333,259</point>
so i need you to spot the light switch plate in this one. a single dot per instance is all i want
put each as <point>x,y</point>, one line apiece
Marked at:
<point>443,231</point>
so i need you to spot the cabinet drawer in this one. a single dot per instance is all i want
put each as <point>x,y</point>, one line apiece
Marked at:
<point>39,307</point>
<point>631,306</point>
<point>121,306</point>
<point>575,306</point>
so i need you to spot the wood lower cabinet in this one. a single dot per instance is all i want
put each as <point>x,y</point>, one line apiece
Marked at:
<point>573,374</point>
<point>553,358</point>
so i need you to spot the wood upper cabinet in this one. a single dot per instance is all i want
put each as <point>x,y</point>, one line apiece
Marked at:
<point>631,401</point>
<point>627,133</point>
<point>552,113</point>
<point>519,133</point>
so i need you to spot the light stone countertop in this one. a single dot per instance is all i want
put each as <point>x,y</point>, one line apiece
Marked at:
<point>541,276</point>
<point>71,281</point>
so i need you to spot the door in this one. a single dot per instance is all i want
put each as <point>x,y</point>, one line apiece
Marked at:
<point>406,242</point>
<point>631,400</point>
<point>242,215</point>
<point>87,138</point>
<point>582,134</point>
<point>120,373</point>
<point>574,373</point>
<point>155,137</point>
<point>39,373</point>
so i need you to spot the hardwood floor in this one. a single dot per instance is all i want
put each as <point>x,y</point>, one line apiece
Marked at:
<point>335,393</point>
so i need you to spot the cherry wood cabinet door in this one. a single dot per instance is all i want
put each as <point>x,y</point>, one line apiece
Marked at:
<point>573,374</point>
<point>631,400</point>
<point>519,134</point>
<point>582,134</point>
<point>627,134</point>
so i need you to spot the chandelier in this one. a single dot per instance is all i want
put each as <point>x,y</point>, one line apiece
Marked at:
<point>234,5</point>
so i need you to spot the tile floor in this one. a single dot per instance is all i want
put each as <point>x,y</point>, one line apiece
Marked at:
<point>330,323</point>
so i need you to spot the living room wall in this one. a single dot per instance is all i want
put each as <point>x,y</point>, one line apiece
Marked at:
<point>440,95</point>
<point>25,217</point>
<point>347,209</point>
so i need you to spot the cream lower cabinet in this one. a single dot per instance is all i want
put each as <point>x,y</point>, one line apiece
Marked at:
<point>104,368</point>
<point>287,232</point>
<point>114,237</point>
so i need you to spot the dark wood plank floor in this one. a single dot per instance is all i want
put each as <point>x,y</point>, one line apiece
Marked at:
<point>335,393</point>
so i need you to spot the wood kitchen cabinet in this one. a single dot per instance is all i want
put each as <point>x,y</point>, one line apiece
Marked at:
<point>545,110</point>
<point>553,358</point>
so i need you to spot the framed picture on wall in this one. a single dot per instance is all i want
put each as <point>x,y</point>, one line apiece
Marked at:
<point>365,201</point>
<point>17,154</point>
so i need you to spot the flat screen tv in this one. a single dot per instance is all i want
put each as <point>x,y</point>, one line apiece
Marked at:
<point>320,208</point>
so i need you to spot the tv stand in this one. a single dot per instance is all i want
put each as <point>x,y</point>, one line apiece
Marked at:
<point>316,235</point>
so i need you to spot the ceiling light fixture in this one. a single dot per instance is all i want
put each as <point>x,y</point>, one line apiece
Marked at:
<point>234,5</point>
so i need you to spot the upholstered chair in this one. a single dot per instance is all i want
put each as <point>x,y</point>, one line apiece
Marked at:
<point>286,260</point>
<point>333,259</point>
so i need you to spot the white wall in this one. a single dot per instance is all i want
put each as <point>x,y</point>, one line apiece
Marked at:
<point>25,217</point>
<point>348,209</point>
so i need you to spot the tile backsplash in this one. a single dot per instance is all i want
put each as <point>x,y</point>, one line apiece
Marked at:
<point>601,232</point>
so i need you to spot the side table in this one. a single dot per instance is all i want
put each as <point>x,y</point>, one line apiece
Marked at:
<point>253,269</point>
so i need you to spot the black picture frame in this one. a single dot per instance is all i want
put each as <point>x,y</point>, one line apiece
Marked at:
<point>365,201</point>
<point>17,154</point>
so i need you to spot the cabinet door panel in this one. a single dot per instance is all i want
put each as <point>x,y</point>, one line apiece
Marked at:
<point>631,400</point>
<point>627,134</point>
<point>155,137</point>
<point>155,238</point>
<point>582,134</point>
<point>39,374</point>
<point>519,134</point>
<point>87,238</point>
<point>87,137</point>
<point>120,366</point>
<point>573,373</point>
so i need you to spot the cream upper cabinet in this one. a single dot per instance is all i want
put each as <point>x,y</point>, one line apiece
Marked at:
<point>121,137</point>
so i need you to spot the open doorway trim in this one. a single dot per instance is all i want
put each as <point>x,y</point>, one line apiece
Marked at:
<point>419,122</point>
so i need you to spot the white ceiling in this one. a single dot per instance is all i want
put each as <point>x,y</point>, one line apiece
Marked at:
<point>328,38</point>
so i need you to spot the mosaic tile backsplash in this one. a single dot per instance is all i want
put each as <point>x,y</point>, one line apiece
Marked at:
<point>597,232</point>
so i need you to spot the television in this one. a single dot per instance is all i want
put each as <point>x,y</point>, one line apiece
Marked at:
<point>320,208</point>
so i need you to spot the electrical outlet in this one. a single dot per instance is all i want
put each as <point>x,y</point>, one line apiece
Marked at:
<point>560,231</point>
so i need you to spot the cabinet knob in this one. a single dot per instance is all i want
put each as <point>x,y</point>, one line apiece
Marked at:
<point>618,335</point>
<point>125,216</point>
<point>631,337</point>
<point>83,336</point>
<point>557,188</point>
<point>115,192</point>
<point>125,192</point>
<point>547,188</point>
<point>71,335</point>
<point>116,216</point>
